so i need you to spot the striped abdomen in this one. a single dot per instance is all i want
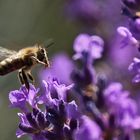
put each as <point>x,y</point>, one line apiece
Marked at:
<point>10,64</point>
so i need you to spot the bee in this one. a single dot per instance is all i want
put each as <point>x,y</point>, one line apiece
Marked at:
<point>23,61</point>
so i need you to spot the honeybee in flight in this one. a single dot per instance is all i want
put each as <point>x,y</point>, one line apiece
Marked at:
<point>23,61</point>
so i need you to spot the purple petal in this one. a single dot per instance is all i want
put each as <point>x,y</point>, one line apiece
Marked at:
<point>46,96</point>
<point>93,45</point>
<point>23,120</point>
<point>72,110</point>
<point>61,90</point>
<point>81,42</point>
<point>20,133</point>
<point>127,114</point>
<point>18,99</point>
<point>114,96</point>
<point>135,65</point>
<point>114,92</point>
<point>30,96</point>
<point>89,130</point>
<point>96,44</point>
<point>126,37</point>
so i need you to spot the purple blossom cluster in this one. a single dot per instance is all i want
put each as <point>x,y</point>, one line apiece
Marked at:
<point>55,119</point>
<point>75,102</point>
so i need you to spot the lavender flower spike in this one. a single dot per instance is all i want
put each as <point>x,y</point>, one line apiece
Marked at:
<point>57,118</point>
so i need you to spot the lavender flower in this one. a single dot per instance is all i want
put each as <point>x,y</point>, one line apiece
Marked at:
<point>91,46</point>
<point>50,123</point>
<point>87,48</point>
<point>123,109</point>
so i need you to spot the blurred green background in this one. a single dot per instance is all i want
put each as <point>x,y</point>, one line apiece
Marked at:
<point>24,23</point>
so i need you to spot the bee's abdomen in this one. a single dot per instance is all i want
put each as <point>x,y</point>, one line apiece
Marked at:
<point>10,64</point>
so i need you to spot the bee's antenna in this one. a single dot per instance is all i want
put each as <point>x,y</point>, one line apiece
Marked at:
<point>49,43</point>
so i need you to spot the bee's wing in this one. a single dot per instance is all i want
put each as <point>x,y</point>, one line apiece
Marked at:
<point>4,53</point>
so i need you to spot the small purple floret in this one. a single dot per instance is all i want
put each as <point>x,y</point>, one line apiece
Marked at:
<point>126,37</point>
<point>92,45</point>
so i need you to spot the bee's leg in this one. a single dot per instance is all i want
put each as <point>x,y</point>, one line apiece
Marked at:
<point>25,79</point>
<point>20,77</point>
<point>30,77</point>
<point>38,61</point>
<point>28,73</point>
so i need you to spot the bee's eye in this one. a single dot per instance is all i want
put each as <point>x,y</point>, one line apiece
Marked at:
<point>42,50</point>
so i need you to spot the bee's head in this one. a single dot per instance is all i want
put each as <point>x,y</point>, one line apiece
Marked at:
<point>42,55</point>
<point>42,52</point>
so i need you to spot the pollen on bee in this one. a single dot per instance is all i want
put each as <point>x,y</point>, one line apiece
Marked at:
<point>3,63</point>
